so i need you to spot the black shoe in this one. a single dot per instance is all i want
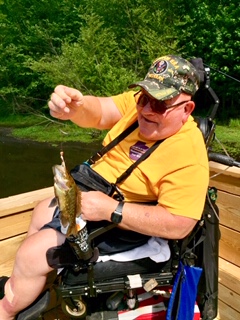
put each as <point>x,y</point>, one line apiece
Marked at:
<point>3,280</point>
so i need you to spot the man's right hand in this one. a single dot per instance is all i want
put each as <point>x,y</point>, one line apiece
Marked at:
<point>64,102</point>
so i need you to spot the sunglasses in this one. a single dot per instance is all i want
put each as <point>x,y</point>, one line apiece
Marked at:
<point>157,106</point>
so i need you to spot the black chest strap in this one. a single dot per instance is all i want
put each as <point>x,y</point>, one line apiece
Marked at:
<point>114,142</point>
<point>98,155</point>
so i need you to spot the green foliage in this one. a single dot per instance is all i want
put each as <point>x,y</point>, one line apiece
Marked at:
<point>228,138</point>
<point>100,47</point>
<point>93,63</point>
<point>29,30</point>
<point>211,30</point>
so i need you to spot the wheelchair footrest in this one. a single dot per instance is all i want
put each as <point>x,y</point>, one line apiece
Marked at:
<point>34,311</point>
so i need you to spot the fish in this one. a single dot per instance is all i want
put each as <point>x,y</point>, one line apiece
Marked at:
<point>67,197</point>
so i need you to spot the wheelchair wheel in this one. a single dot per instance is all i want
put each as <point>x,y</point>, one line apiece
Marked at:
<point>75,308</point>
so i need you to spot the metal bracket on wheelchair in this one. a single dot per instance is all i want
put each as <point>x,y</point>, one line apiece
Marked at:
<point>82,254</point>
<point>81,243</point>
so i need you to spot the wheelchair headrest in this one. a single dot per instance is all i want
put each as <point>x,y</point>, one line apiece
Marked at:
<point>198,64</point>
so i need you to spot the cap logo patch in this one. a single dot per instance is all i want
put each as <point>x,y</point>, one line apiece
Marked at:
<point>160,67</point>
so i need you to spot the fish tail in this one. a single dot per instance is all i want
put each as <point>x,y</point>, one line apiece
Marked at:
<point>72,230</point>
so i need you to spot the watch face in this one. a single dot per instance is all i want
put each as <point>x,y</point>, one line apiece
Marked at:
<point>116,217</point>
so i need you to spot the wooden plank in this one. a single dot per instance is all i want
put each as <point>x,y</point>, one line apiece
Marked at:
<point>15,224</point>
<point>8,249</point>
<point>231,171</point>
<point>229,275</point>
<point>225,178</point>
<point>225,312</point>
<point>229,247</point>
<point>229,297</point>
<point>225,183</point>
<point>229,205</point>
<point>24,201</point>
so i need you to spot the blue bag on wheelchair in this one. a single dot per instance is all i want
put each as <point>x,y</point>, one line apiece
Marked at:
<point>184,293</point>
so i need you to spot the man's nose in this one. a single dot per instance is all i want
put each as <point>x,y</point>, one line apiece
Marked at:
<point>147,108</point>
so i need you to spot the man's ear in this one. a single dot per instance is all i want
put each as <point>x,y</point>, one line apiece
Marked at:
<point>188,109</point>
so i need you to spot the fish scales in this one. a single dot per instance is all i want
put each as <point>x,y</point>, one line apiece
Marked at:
<point>68,197</point>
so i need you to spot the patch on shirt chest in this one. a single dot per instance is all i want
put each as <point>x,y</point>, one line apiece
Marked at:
<point>137,150</point>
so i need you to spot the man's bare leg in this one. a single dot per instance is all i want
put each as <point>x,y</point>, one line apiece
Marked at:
<point>30,269</point>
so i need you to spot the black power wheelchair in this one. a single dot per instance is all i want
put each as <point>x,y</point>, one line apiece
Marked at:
<point>91,290</point>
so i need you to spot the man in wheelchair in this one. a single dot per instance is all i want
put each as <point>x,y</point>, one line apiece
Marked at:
<point>161,199</point>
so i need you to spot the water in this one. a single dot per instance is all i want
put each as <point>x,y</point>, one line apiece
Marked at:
<point>26,166</point>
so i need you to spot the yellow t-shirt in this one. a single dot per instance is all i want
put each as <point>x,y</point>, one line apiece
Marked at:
<point>176,174</point>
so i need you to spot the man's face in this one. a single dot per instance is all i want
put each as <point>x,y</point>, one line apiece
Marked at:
<point>159,120</point>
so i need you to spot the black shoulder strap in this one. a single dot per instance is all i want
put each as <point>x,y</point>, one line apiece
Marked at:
<point>113,143</point>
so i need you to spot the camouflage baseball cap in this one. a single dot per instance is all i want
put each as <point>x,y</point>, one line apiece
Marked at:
<point>168,76</point>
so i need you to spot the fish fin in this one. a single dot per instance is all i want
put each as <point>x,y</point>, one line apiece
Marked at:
<point>53,203</point>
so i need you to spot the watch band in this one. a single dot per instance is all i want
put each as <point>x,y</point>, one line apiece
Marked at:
<point>116,216</point>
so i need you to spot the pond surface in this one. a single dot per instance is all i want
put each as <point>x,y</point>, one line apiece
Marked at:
<point>26,166</point>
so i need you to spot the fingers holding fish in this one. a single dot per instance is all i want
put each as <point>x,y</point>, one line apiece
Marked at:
<point>97,206</point>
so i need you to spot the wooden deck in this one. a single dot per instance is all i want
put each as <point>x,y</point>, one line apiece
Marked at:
<point>228,185</point>
<point>15,214</point>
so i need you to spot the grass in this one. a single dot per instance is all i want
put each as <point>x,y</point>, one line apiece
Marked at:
<point>44,129</point>
<point>229,137</point>
<point>58,132</point>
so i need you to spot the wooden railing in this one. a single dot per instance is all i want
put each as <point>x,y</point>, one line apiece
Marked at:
<point>16,211</point>
<point>228,184</point>
<point>15,216</point>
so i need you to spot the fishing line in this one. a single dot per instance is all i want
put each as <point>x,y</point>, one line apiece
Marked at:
<point>223,73</point>
<point>214,69</point>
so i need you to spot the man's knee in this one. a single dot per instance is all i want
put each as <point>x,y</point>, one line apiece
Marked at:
<point>41,215</point>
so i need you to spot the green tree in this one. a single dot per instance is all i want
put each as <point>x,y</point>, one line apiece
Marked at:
<point>94,64</point>
<point>29,30</point>
<point>101,46</point>
<point>211,30</point>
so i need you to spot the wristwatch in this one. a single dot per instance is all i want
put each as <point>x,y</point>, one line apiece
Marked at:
<point>116,216</point>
